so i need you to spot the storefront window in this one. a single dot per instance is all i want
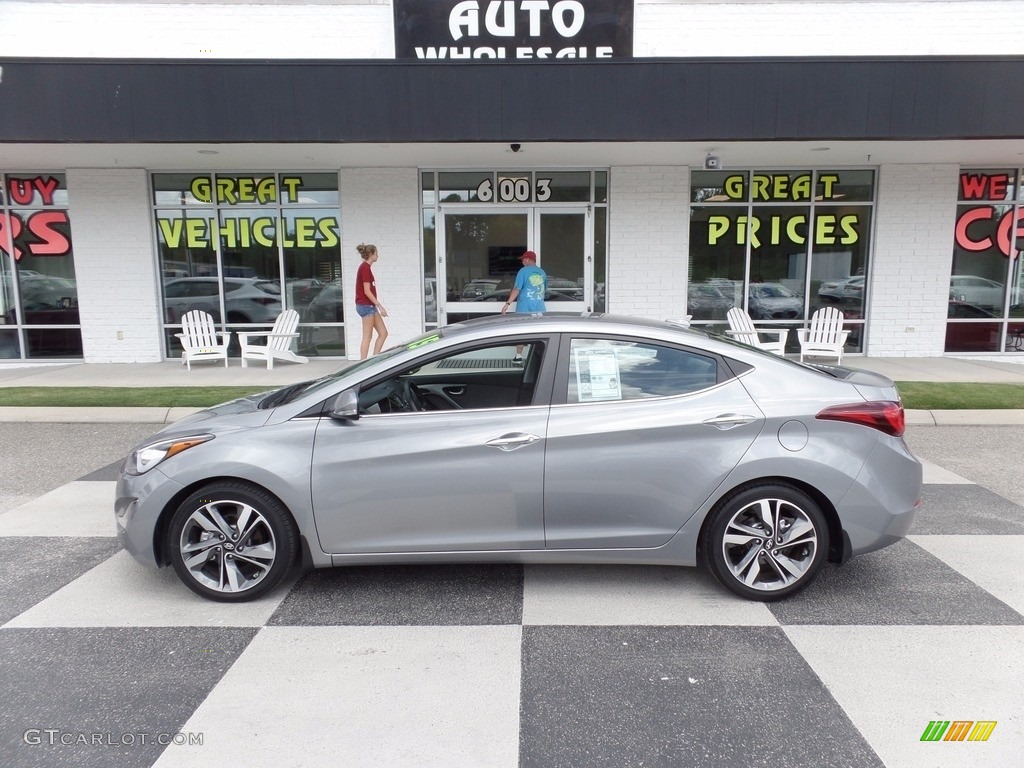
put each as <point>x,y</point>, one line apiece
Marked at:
<point>38,292</point>
<point>986,288</point>
<point>780,244</point>
<point>246,247</point>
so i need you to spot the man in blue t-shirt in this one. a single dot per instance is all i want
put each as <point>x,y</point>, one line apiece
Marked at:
<point>531,285</point>
<point>528,292</point>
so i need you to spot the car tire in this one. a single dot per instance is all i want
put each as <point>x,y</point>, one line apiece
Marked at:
<point>217,560</point>
<point>766,542</point>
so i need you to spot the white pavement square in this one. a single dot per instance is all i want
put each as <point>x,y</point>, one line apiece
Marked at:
<point>991,562</point>
<point>121,593</point>
<point>893,681</point>
<point>81,508</point>
<point>364,696</point>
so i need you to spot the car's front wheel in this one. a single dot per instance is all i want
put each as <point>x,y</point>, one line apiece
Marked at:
<point>766,542</point>
<point>231,542</point>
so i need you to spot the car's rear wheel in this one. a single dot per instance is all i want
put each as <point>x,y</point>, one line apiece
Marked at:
<point>766,542</point>
<point>231,542</point>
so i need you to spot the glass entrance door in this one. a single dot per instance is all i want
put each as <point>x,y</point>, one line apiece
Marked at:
<point>479,258</point>
<point>563,251</point>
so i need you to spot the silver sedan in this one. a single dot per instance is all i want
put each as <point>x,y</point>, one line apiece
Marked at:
<point>542,439</point>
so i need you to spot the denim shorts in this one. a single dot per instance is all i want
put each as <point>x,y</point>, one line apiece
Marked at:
<point>365,310</point>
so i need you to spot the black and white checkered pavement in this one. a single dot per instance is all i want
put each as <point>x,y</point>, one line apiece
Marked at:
<point>102,662</point>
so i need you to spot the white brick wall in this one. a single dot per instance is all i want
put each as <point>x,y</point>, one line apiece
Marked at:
<point>381,206</point>
<point>827,28</point>
<point>115,265</point>
<point>354,29</point>
<point>912,257</point>
<point>324,30</point>
<point>648,240</point>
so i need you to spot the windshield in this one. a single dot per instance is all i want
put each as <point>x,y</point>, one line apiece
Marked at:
<point>295,391</point>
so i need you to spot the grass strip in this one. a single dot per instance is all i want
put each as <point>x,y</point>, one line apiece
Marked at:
<point>956,395</point>
<point>122,397</point>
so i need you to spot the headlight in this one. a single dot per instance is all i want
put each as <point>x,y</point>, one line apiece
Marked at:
<point>143,459</point>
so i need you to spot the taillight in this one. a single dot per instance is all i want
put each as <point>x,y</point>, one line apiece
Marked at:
<point>884,415</point>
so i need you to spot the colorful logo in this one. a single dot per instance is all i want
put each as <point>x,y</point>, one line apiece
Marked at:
<point>958,730</point>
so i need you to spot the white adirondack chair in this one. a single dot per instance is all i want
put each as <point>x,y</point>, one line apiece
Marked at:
<point>742,328</point>
<point>826,336</point>
<point>200,339</point>
<point>278,341</point>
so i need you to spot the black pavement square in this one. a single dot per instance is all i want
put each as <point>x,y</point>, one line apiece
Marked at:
<point>967,509</point>
<point>405,595</point>
<point>901,584</point>
<point>704,697</point>
<point>109,472</point>
<point>34,567</point>
<point>108,698</point>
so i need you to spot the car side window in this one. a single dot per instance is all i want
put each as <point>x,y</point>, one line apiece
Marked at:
<point>602,370</point>
<point>496,376</point>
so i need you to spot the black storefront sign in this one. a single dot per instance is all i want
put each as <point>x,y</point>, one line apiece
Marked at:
<point>513,30</point>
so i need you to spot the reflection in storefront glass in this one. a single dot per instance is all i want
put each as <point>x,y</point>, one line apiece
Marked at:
<point>985,285</point>
<point>38,290</point>
<point>430,297</point>
<point>781,244</point>
<point>483,254</point>
<point>717,265</point>
<point>600,258</point>
<point>462,187</point>
<point>261,248</point>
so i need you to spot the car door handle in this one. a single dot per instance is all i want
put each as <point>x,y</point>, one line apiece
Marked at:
<point>512,441</point>
<point>729,420</point>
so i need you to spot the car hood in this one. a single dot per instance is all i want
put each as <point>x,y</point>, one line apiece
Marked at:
<point>234,414</point>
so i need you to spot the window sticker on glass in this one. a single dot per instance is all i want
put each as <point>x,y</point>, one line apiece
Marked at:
<point>597,375</point>
<point>430,339</point>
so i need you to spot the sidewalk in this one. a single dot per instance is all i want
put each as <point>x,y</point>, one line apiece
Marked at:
<point>172,374</point>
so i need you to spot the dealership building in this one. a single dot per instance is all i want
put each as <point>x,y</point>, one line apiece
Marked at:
<point>664,158</point>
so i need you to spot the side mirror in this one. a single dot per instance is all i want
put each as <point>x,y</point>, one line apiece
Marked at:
<point>345,406</point>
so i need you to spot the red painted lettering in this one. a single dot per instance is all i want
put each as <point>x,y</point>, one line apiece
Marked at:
<point>46,233</point>
<point>46,188</point>
<point>21,190</point>
<point>984,187</point>
<point>1003,233</point>
<point>967,218</point>
<point>52,229</point>
<point>10,230</point>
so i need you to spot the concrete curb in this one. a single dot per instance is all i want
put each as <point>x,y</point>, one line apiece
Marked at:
<point>965,418</point>
<point>1008,417</point>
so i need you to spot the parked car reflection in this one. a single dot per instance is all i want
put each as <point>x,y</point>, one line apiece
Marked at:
<point>705,301</point>
<point>981,292</point>
<point>246,299</point>
<point>773,301</point>
<point>842,289</point>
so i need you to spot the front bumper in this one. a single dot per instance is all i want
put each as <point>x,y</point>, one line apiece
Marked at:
<point>139,501</point>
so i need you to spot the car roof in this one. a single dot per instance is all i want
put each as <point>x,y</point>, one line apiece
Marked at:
<point>567,322</point>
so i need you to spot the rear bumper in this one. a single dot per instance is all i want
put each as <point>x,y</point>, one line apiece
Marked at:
<point>880,507</point>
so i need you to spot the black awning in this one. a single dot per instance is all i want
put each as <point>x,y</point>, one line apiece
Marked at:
<point>791,99</point>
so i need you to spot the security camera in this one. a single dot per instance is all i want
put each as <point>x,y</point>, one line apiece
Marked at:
<point>712,163</point>
<point>515,147</point>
